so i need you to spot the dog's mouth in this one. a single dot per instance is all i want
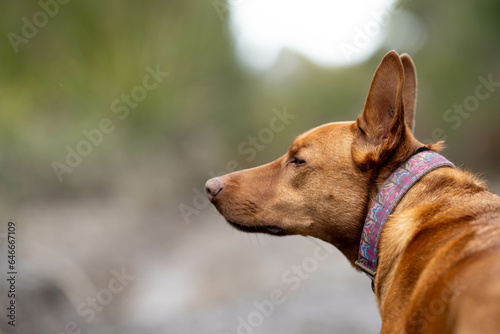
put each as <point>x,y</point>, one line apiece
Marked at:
<point>269,229</point>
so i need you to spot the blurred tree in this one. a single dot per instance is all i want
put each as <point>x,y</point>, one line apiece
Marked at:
<point>66,77</point>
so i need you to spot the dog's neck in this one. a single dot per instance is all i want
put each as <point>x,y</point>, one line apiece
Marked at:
<point>391,193</point>
<point>349,242</point>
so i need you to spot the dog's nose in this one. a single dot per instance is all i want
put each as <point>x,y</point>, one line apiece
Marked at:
<point>213,187</point>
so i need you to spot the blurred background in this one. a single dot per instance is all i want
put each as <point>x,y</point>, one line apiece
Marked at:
<point>114,114</point>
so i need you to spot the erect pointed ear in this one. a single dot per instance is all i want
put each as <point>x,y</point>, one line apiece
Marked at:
<point>409,91</point>
<point>382,125</point>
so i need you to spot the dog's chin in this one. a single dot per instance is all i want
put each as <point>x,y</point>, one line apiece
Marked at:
<point>269,229</point>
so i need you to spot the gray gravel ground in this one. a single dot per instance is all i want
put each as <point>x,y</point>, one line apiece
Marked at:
<point>188,278</point>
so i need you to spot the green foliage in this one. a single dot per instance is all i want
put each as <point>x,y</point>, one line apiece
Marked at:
<point>65,79</point>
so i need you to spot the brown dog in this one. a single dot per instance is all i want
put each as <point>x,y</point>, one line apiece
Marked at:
<point>439,251</point>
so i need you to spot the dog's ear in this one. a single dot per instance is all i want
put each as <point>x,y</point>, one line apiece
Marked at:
<point>382,124</point>
<point>409,91</point>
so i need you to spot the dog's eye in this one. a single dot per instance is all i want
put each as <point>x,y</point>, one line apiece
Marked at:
<point>298,161</point>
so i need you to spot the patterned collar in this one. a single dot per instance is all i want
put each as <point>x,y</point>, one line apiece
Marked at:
<point>392,191</point>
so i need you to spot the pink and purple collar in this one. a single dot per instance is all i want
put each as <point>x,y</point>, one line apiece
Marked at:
<point>392,191</point>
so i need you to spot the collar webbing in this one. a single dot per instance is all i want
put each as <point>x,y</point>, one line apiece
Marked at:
<point>392,191</point>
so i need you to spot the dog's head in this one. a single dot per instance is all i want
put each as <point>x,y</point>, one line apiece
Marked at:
<point>323,185</point>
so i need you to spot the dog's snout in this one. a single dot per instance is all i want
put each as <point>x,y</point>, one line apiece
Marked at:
<point>213,187</point>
